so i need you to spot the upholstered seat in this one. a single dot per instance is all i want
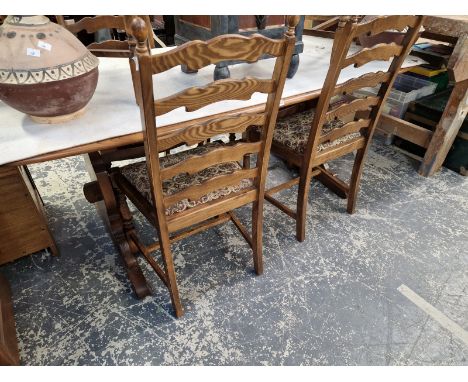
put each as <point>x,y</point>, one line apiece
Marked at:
<point>137,175</point>
<point>293,132</point>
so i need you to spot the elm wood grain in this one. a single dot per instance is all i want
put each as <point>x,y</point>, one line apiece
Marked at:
<point>366,80</point>
<point>217,49</point>
<point>311,158</point>
<point>352,107</point>
<point>224,154</point>
<point>23,224</point>
<point>197,97</point>
<point>378,52</point>
<point>198,54</point>
<point>197,133</point>
<point>9,353</point>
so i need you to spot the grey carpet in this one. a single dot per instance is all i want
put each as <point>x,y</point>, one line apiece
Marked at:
<point>332,300</point>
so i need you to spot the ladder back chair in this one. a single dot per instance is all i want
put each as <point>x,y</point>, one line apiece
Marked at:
<point>184,193</point>
<point>311,138</point>
<point>113,47</point>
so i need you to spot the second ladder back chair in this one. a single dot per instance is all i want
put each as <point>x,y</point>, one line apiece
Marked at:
<point>112,47</point>
<point>187,192</point>
<point>311,138</point>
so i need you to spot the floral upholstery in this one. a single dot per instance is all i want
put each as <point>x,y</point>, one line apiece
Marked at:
<point>293,132</point>
<point>136,174</point>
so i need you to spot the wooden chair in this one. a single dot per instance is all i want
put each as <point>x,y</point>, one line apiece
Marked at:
<point>114,47</point>
<point>311,138</point>
<point>185,193</point>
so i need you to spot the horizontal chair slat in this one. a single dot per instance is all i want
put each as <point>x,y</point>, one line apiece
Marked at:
<point>93,24</point>
<point>197,97</point>
<point>339,150</point>
<point>368,79</point>
<point>198,54</point>
<point>377,52</point>
<point>196,192</point>
<point>222,154</point>
<point>348,128</point>
<point>205,211</point>
<point>380,24</point>
<point>351,107</point>
<point>200,132</point>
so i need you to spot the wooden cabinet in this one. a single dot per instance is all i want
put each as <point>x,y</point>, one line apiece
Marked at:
<point>23,225</point>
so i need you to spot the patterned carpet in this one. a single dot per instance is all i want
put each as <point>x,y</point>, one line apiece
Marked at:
<point>331,300</point>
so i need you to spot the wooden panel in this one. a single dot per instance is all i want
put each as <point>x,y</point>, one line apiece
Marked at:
<point>216,207</point>
<point>369,79</point>
<point>22,227</point>
<point>93,24</point>
<point>222,154</point>
<point>382,24</point>
<point>9,354</point>
<point>200,132</point>
<point>198,54</point>
<point>348,128</point>
<point>196,192</point>
<point>350,108</point>
<point>197,97</point>
<point>377,52</point>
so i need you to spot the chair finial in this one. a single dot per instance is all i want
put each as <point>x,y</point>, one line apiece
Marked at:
<point>343,20</point>
<point>292,21</point>
<point>139,30</point>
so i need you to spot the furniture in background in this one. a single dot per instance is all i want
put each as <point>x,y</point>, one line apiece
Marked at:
<point>321,25</point>
<point>203,27</point>
<point>313,137</point>
<point>184,193</point>
<point>454,30</point>
<point>23,224</point>
<point>114,46</point>
<point>9,354</point>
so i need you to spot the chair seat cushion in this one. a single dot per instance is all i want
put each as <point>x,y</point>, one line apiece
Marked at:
<point>293,132</point>
<point>137,175</point>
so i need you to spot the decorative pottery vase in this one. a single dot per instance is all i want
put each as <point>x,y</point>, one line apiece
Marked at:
<point>45,71</point>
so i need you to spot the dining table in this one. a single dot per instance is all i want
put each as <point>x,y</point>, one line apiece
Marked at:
<point>112,120</point>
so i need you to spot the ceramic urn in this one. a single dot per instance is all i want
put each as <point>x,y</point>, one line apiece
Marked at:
<point>45,71</point>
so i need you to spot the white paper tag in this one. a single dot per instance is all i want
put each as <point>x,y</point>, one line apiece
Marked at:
<point>44,45</point>
<point>33,52</point>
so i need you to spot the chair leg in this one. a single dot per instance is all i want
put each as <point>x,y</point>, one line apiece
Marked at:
<point>355,180</point>
<point>301,211</point>
<point>257,231</point>
<point>171,275</point>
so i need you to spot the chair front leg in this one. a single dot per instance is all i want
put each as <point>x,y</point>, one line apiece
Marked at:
<point>302,198</point>
<point>355,180</point>
<point>257,233</point>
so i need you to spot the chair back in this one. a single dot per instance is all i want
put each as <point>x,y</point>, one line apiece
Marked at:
<point>371,106</point>
<point>107,48</point>
<point>196,55</point>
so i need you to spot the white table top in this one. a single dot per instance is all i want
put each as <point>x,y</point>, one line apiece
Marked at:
<point>112,112</point>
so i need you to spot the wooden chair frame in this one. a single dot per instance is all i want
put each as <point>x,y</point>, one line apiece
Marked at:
<point>195,55</point>
<point>368,110</point>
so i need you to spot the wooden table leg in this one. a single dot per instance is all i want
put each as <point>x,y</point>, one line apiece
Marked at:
<point>446,130</point>
<point>9,353</point>
<point>108,208</point>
